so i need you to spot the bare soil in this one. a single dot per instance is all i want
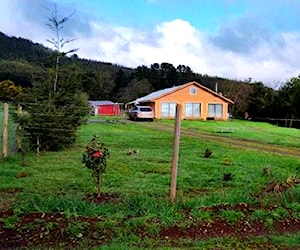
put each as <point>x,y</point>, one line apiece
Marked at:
<point>57,230</point>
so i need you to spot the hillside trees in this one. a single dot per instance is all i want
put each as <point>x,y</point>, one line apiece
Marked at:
<point>239,93</point>
<point>99,85</point>
<point>20,72</point>
<point>288,99</point>
<point>15,49</point>
<point>261,101</point>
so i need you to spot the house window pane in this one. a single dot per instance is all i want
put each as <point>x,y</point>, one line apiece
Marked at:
<point>172,109</point>
<point>219,110</point>
<point>168,109</point>
<point>192,109</point>
<point>165,109</point>
<point>196,109</point>
<point>193,91</point>
<point>188,109</point>
<point>211,110</point>
<point>215,110</point>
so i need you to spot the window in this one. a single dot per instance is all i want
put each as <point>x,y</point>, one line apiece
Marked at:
<point>215,110</point>
<point>168,109</point>
<point>192,109</point>
<point>193,91</point>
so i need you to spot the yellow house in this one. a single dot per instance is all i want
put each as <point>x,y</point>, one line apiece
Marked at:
<point>198,102</point>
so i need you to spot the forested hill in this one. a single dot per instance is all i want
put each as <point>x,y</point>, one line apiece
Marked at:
<point>28,63</point>
<point>12,48</point>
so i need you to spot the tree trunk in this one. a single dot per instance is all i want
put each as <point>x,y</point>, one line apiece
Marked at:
<point>56,73</point>
<point>99,182</point>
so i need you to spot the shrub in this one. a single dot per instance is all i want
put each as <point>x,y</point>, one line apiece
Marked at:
<point>95,159</point>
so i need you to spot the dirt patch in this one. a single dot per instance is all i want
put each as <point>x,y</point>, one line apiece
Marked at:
<point>8,197</point>
<point>50,230</point>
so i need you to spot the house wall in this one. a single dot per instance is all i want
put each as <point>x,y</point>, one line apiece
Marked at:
<point>182,96</point>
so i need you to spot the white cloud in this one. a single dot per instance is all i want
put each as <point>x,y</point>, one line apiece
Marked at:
<point>178,42</point>
<point>272,59</point>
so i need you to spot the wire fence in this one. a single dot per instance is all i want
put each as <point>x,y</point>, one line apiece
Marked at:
<point>54,128</point>
<point>288,123</point>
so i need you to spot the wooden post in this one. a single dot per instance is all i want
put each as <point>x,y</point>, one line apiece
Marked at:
<point>38,146</point>
<point>19,132</point>
<point>5,130</point>
<point>175,153</point>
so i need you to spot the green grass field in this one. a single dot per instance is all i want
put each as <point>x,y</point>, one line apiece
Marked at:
<point>56,182</point>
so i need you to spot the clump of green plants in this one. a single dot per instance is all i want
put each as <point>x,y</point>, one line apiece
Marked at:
<point>208,153</point>
<point>227,161</point>
<point>279,191</point>
<point>202,215</point>
<point>133,152</point>
<point>228,177</point>
<point>9,222</point>
<point>77,229</point>
<point>267,171</point>
<point>95,159</point>
<point>231,216</point>
<point>8,90</point>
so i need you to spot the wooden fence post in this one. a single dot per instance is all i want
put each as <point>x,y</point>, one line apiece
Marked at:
<point>5,130</point>
<point>19,132</point>
<point>176,142</point>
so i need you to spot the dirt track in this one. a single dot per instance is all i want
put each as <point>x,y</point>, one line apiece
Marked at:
<point>234,142</point>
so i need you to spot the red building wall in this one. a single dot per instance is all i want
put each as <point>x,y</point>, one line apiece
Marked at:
<point>111,109</point>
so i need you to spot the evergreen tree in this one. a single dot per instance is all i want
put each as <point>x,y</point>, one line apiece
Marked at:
<point>56,104</point>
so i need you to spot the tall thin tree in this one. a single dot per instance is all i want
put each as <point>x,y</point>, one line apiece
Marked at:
<point>55,23</point>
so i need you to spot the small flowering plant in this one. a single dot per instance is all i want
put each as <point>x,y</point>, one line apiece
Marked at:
<point>95,159</point>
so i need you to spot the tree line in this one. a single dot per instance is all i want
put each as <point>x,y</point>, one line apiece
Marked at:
<point>31,65</point>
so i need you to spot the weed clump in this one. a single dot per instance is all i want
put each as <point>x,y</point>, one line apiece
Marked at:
<point>208,153</point>
<point>228,177</point>
<point>133,152</point>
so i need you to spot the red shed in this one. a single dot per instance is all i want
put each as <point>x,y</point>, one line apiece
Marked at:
<point>105,108</point>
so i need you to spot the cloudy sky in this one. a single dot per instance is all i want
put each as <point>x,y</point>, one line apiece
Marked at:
<point>236,39</point>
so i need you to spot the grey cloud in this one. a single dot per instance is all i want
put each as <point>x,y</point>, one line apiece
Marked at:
<point>37,12</point>
<point>244,36</point>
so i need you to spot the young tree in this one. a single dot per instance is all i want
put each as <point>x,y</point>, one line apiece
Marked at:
<point>55,23</point>
<point>95,159</point>
<point>56,105</point>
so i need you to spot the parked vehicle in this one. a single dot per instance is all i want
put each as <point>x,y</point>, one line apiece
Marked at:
<point>141,112</point>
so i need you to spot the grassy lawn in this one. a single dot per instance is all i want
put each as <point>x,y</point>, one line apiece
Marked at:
<point>257,131</point>
<point>56,182</point>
